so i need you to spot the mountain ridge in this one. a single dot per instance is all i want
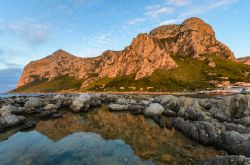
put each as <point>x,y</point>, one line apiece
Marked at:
<point>147,53</point>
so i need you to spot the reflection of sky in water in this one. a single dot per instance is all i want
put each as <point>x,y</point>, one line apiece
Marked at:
<point>78,148</point>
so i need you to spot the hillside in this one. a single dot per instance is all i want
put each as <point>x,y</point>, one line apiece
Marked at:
<point>244,60</point>
<point>169,58</point>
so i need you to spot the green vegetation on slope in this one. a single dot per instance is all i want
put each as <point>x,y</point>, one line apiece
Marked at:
<point>191,74</point>
<point>58,84</point>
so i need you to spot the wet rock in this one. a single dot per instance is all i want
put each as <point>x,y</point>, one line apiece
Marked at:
<point>227,160</point>
<point>154,109</point>
<point>138,112</point>
<point>81,103</point>
<point>28,125</point>
<point>45,114</point>
<point>56,116</point>
<point>169,113</point>
<point>118,107</point>
<point>9,120</point>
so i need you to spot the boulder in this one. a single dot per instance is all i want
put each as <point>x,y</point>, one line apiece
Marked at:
<point>51,107</point>
<point>144,102</point>
<point>8,109</point>
<point>81,103</point>
<point>154,109</point>
<point>170,102</point>
<point>118,107</point>
<point>9,120</point>
<point>35,103</point>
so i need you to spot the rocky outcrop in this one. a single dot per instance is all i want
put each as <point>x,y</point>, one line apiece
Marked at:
<point>192,38</point>
<point>244,60</point>
<point>146,54</point>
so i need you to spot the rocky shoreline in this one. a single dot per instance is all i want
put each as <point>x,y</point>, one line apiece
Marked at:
<point>222,122</point>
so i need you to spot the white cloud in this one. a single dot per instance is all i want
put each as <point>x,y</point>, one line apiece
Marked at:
<point>158,10</point>
<point>178,2</point>
<point>31,33</point>
<point>211,5</point>
<point>136,21</point>
<point>170,21</point>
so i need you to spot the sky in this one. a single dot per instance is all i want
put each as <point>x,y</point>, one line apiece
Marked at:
<point>33,29</point>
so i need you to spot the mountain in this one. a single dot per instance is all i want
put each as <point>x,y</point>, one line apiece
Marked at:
<point>170,57</point>
<point>244,60</point>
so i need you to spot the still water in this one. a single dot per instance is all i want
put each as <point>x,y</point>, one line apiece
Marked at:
<point>100,137</point>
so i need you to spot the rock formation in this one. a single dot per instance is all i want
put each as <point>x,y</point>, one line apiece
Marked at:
<point>146,54</point>
<point>244,60</point>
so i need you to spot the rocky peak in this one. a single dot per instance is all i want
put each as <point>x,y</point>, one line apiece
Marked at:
<point>198,25</point>
<point>193,38</point>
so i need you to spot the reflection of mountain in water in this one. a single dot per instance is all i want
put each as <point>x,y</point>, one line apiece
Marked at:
<point>147,139</point>
<point>78,148</point>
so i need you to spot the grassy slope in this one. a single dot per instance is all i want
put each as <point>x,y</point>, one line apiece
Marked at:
<point>59,84</point>
<point>190,75</point>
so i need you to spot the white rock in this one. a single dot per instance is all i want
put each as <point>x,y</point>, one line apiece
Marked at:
<point>81,103</point>
<point>154,109</point>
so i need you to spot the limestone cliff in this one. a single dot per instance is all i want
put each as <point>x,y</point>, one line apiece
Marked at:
<point>146,54</point>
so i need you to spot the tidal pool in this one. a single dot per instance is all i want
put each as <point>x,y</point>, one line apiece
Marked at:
<point>101,137</point>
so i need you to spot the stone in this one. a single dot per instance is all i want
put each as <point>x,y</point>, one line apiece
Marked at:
<point>9,120</point>
<point>34,103</point>
<point>81,103</point>
<point>51,107</point>
<point>56,116</point>
<point>28,125</point>
<point>8,109</point>
<point>154,109</point>
<point>170,102</point>
<point>118,107</point>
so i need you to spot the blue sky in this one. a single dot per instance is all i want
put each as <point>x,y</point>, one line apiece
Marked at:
<point>32,29</point>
